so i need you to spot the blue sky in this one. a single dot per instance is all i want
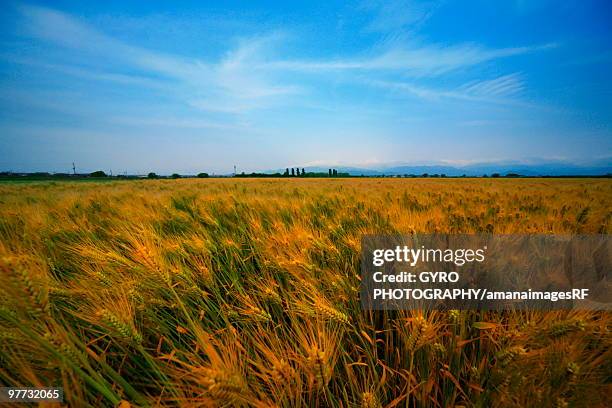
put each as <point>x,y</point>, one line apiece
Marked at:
<point>187,86</point>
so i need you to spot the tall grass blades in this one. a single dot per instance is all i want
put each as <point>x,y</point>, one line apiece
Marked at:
<point>224,292</point>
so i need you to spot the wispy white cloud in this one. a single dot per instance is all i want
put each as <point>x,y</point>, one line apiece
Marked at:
<point>503,86</point>
<point>411,58</point>
<point>245,78</point>
<point>228,82</point>
<point>171,122</point>
<point>390,15</point>
<point>503,90</point>
<point>251,75</point>
<point>62,29</point>
<point>89,73</point>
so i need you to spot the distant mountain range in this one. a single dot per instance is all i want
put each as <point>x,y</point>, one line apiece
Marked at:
<point>556,168</point>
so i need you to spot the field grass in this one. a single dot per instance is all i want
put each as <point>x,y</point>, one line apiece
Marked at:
<point>245,293</point>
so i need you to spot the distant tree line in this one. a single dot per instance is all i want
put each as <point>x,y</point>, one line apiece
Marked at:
<point>289,172</point>
<point>296,172</point>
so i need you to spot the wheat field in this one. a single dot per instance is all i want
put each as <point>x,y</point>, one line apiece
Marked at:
<point>226,292</point>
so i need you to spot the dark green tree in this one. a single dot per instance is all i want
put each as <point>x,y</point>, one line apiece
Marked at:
<point>175,176</point>
<point>202,175</point>
<point>98,173</point>
<point>152,175</point>
<point>292,172</point>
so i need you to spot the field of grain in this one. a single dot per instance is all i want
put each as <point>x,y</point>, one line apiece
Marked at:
<point>227,292</point>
